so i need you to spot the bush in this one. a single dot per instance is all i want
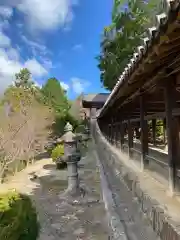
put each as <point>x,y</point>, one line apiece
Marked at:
<point>57,152</point>
<point>60,122</point>
<point>18,218</point>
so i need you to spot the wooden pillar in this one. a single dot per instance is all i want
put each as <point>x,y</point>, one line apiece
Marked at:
<point>108,131</point>
<point>164,131</point>
<point>118,134</point>
<point>115,133</point>
<point>90,113</point>
<point>144,135</point>
<point>171,132</point>
<point>104,129</point>
<point>112,131</point>
<point>121,135</point>
<point>130,138</point>
<point>154,131</point>
<point>178,142</point>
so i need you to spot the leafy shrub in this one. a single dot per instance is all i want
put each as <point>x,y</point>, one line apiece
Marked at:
<point>57,152</point>
<point>18,218</point>
<point>60,122</point>
<point>80,129</point>
<point>159,128</point>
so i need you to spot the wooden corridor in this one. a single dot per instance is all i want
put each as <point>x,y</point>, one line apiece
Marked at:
<point>149,90</point>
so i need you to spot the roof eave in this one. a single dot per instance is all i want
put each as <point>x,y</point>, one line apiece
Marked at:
<point>154,33</point>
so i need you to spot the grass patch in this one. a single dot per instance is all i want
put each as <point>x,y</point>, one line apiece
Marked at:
<point>18,217</point>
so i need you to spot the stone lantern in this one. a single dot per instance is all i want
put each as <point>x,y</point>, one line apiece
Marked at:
<point>86,135</point>
<point>87,130</point>
<point>71,157</point>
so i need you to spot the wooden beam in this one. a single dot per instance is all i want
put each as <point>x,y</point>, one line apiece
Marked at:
<point>148,109</point>
<point>155,97</point>
<point>155,102</point>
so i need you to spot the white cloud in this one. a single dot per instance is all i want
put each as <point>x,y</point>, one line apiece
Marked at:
<point>46,14</point>
<point>10,64</point>
<point>67,28</point>
<point>13,54</point>
<point>47,63</point>
<point>77,47</point>
<point>39,15</point>
<point>4,40</point>
<point>35,68</point>
<point>4,24</point>
<point>8,67</point>
<point>33,44</point>
<point>6,12</point>
<point>64,86</point>
<point>79,85</point>
<point>19,25</point>
<point>38,49</point>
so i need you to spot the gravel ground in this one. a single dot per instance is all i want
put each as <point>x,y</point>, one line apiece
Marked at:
<point>58,218</point>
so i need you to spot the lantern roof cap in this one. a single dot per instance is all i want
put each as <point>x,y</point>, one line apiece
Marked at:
<point>68,136</point>
<point>68,127</point>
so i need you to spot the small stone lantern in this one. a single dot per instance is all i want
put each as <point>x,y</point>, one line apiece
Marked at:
<point>87,130</point>
<point>72,156</point>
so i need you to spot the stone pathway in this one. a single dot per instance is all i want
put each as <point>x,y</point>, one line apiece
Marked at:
<point>59,219</point>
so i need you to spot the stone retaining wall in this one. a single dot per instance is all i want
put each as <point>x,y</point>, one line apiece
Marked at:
<point>162,224</point>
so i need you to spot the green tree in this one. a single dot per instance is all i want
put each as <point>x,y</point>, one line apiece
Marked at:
<point>130,19</point>
<point>23,79</point>
<point>55,96</point>
<point>25,125</point>
<point>76,107</point>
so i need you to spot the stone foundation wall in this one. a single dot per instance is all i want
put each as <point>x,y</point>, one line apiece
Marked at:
<point>150,208</point>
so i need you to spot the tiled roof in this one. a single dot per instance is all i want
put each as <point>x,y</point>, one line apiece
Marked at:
<point>169,15</point>
<point>99,97</point>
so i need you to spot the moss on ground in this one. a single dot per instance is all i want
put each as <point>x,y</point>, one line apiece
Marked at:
<point>18,217</point>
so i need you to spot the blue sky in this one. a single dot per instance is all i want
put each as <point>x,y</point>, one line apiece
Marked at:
<point>53,38</point>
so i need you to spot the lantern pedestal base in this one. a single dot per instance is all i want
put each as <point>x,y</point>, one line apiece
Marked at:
<point>74,189</point>
<point>80,197</point>
<point>69,192</point>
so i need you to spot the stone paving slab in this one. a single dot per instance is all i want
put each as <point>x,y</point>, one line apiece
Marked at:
<point>60,219</point>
